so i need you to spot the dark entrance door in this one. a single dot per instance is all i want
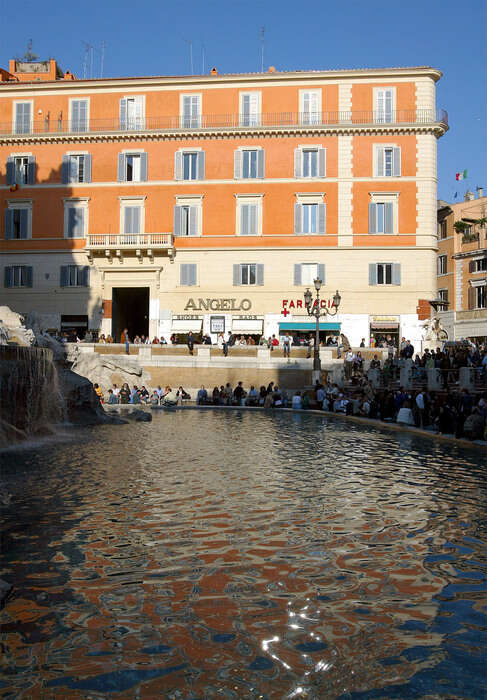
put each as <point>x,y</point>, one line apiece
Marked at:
<point>130,309</point>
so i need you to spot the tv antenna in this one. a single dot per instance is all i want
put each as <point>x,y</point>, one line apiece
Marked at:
<point>188,41</point>
<point>262,39</point>
<point>89,57</point>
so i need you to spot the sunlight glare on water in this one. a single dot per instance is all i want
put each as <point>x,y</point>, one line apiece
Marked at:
<point>228,554</point>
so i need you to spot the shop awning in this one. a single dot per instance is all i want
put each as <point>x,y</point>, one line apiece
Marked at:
<point>186,326</point>
<point>247,326</point>
<point>308,326</point>
<point>384,326</point>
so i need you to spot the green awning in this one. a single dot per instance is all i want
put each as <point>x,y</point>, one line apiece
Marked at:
<point>308,326</point>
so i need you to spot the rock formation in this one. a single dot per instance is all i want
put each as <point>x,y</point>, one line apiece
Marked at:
<point>107,369</point>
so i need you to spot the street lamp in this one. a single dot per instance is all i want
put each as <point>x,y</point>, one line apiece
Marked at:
<point>314,309</point>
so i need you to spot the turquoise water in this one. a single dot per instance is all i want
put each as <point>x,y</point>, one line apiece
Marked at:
<point>226,554</point>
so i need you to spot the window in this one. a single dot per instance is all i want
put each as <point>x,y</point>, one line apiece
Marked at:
<point>132,167</point>
<point>443,295</point>
<point>442,264</point>
<point>23,117</point>
<point>384,273</point>
<point>310,162</point>
<point>131,219</point>
<point>18,221</point>
<point>248,274</point>
<point>249,215</point>
<point>442,229</point>
<point>75,276</point>
<point>190,111</point>
<point>309,217</point>
<point>387,161</point>
<point>76,167</point>
<point>306,273</point>
<point>249,163</point>
<point>383,213</point>
<point>78,115</point>
<point>310,106</point>
<point>75,218</point>
<point>187,275</point>
<point>384,105</point>
<point>132,113</point>
<point>21,170</point>
<point>18,276</point>
<point>480,297</point>
<point>478,265</point>
<point>189,165</point>
<point>186,220</point>
<point>249,109</point>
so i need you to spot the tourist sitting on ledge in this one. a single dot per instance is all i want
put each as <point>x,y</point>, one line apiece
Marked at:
<point>297,401</point>
<point>252,397</point>
<point>182,394</point>
<point>154,399</point>
<point>155,340</point>
<point>202,396</point>
<point>99,392</point>
<point>112,398</point>
<point>144,394</point>
<point>125,393</point>
<point>169,397</point>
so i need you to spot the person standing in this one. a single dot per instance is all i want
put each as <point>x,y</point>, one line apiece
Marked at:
<point>349,360</point>
<point>124,338</point>
<point>190,342</point>
<point>286,344</point>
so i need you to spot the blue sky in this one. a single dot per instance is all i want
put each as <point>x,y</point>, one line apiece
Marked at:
<point>150,38</point>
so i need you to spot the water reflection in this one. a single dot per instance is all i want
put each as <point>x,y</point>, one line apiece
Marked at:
<point>245,556</point>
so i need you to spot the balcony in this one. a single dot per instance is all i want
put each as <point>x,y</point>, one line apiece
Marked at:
<point>230,122</point>
<point>118,244</point>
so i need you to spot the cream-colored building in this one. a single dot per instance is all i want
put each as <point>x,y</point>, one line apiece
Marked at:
<point>212,202</point>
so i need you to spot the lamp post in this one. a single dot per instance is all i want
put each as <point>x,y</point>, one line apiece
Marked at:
<point>314,309</point>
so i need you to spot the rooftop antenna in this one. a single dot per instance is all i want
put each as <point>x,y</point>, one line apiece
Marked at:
<point>203,58</point>
<point>262,38</point>
<point>188,41</point>
<point>28,55</point>
<point>102,59</point>
<point>85,59</point>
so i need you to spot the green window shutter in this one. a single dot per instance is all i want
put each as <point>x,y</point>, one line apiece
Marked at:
<point>178,165</point>
<point>396,162</point>
<point>372,217</point>
<point>64,276</point>
<point>322,162</point>
<point>237,165</point>
<point>8,275</point>
<point>193,221</point>
<point>261,164</point>
<point>321,273</point>
<point>31,170</point>
<point>321,218</point>
<point>380,161</point>
<point>121,173</point>
<point>143,167</point>
<point>183,275</point>
<point>9,223</point>
<point>177,221</point>
<point>10,171</point>
<point>298,162</point>
<point>123,113</point>
<point>388,217</point>
<point>260,275</point>
<point>396,274</point>
<point>85,276</point>
<point>297,274</point>
<point>298,218</point>
<point>192,275</point>
<point>201,165</point>
<point>65,169</point>
<point>236,275</point>
<point>372,274</point>
<point>28,275</point>
<point>24,220</point>
<point>87,168</point>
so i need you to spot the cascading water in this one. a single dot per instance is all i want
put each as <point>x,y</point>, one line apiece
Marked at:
<point>31,401</point>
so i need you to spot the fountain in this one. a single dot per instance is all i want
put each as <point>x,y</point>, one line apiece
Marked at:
<point>38,389</point>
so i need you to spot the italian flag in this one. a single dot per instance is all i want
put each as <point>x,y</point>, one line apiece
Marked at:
<point>462,175</point>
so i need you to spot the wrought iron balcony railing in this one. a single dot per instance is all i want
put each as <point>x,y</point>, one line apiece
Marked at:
<point>128,241</point>
<point>53,126</point>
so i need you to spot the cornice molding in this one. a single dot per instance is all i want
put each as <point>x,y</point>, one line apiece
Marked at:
<point>435,128</point>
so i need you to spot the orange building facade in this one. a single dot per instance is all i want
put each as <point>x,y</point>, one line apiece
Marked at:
<point>208,203</point>
<point>462,266</point>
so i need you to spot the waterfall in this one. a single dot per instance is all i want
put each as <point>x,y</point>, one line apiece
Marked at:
<point>31,401</point>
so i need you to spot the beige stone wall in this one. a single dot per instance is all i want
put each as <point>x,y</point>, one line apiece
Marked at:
<point>210,377</point>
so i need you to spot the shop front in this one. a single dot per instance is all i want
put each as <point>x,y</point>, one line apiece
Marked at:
<point>303,330</point>
<point>183,324</point>
<point>384,330</point>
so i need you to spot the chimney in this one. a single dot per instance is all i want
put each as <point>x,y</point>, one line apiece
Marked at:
<point>480,192</point>
<point>213,71</point>
<point>469,196</point>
